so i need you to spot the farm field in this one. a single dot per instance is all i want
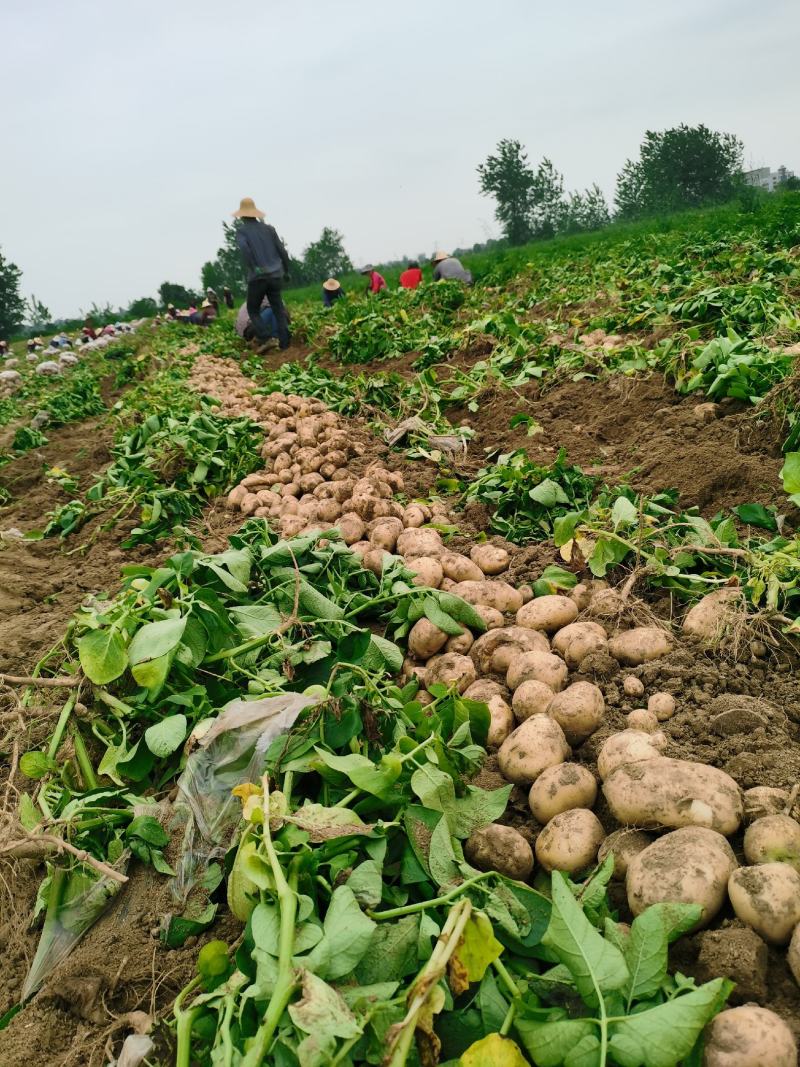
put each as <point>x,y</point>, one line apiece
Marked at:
<point>426,693</point>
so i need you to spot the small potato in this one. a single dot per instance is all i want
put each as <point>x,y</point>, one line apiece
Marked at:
<point>561,788</point>
<point>496,651</point>
<point>236,496</point>
<point>375,559</point>
<point>689,866</point>
<point>526,593</point>
<point>495,697</point>
<point>491,559</point>
<point>428,571</point>
<point>531,698</point>
<point>535,745</point>
<point>640,645</point>
<point>549,613</point>
<point>328,511</point>
<point>773,839</point>
<point>793,954</point>
<point>582,595</point>
<point>628,746</point>
<point>460,643</point>
<point>351,527</point>
<point>413,543</point>
<point>578,710</point>
<point>577,640</point>
<point>415,515</point>
<point>538,667</point>
<point>494,594</point>
<point>767,898</point>
<point>632,686</point>
<point>662,705</point>
<point>451,670</point>
<point>425,640</point>
<point>384,534</point>
<point>570,841</point>
<point>500,848</point>
<point>491,616</point>
<point>764,800</point>
<point>361,548</point>
<point>292,525</point>
<point>623,845</point>
<point>448,585</point>
<point>459,568</point>
<point>642,719</point>
<point>749,1036</point>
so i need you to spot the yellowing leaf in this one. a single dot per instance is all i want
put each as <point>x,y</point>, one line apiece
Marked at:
<point>493,1051</point>
<point>566,550</point>
<point>246,789</point>
<point>477,948</point>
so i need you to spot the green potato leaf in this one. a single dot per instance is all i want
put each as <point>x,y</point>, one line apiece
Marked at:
<point>103,655</point>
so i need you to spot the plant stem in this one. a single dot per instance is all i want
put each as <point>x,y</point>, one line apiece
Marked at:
<point>61,725</point>
<point>183,1051</point>
<point>82,756</point>
<point>343,803</point>
<point>436,902</point>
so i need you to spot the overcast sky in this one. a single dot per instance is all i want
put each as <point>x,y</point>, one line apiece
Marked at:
<point>128,131</point>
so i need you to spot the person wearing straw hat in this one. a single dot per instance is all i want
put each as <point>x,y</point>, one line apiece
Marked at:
<point>447,268</point>
<point>267,265</point>
<point>376,281</point>
<point>331,292</point>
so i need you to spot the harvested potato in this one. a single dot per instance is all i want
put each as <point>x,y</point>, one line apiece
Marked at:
<point>689,866</point>
<point>425,640</point>
<point>351,527</point>
<point>623,845</point>
<point>535,745</point>
<point>531,698</point>
<point>496,650</point>
<point>749,1036</point>
<point>773,839</point>
<point>500,848</point>
<point>537,667</point>
<point>548,613</point>
<point>384,533</point>
<point>674,793</point>
<point>451,670</point>
<point>495,696</point>
<point>494,594</point>
<point>578,710</point>
<point>793,954</point>
<point>767,898</point>
<point>375,559</point>
<point>491,559</point>
<point>428,571</point>
<point>642,719</point>
<point>416,515</point>
<point>526,592</point>
<point>561,788</point>
<point>575,641</point>
<point>459,568</point>
<point>570,841</point>
<point>709,617</point>
<point>582,595</point>
<point>460,643</point>
<point>662,706</point>
<point>491,616</point>
<point>632,686</point>
<point>763,800</point>
<point>412,543</point>
<point>640,645</point>
<point>628,746</point>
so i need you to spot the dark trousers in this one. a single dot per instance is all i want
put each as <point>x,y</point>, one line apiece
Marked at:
<point>268,286</point>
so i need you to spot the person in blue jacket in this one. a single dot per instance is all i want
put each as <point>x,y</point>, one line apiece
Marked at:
<point>331,292</point>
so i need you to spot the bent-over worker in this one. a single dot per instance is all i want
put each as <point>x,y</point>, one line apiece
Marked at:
<point>447,268</point>
<point>267,264</point>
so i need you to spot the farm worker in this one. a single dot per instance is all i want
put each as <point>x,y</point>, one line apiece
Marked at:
<point>411,276</point>
<point>212,299</point>
<point>3,349</point>
<point>227,296</point>
<point>172,311</point>
<point>331,292</point>
<point>448,268</point>
<point>267,265</point>
<point>244,327</point>
<point>376,281</point>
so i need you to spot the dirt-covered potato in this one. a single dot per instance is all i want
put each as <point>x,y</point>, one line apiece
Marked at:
<point>763,800</point>
<point>623,845</point>
<point>535,745</point>
<point>500,848</point>
<point>531,698</point>
<point>642,719</point>
<point>375,559</point>
<point>460,643</point>
<point>561,788</point>
<point>689,866</point>
<point>494,594</point>
<point>674,793</point>
<point>495,696</point>
<point>412,543</point>
<point>578,710</point>
<point>351,527</point>
<point>749,1036</point>
<point>767,898</point>
<point>451,670</point>
<point>537,667</point>
<point>459,568</point>
<point>416,515</point>
<point>428,571</point>
<point>549,613</point>
<point>491,559</point>
<point>575,641</point>
<point>570,841</point>
<point>708,618</point>
<point>384,533</point>
<point>496,650</point>
<point>662,705</point>
<point>628,746</point>
<point>773,839</point>
<point>640,645</point>
<point>793,954</point>
<point>632,686</point>
<point>491,616</point>
<point>425,640</point>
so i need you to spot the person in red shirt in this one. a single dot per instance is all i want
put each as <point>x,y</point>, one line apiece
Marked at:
<point>411,276</point>
<point>376,281</point>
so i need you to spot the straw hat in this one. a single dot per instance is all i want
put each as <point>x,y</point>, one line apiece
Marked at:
<point>331,285</point>
<point>206,304</point>
<point>367,270</point>
<point>248,209</point>
<point>437,257</point>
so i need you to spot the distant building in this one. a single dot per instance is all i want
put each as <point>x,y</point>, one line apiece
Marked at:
<point>764,178</point>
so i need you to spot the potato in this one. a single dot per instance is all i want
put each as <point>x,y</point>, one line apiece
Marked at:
<point>292,525</point>
<point>328,511</point>
<point>764,800</point>
<point>549,613</point>
<point>629,746</point>
<point>642,719</point>
<point>561,788</point>
<point>767,898</point>
<point>385,532</point>
<point>428,571</point>
<point>447,584</point>
<point>451,670</point>
<point>500,848</point>
<point>496,650</point>
<point>236,496</point>
<point>459,568</point>
<point>578,710</point>
<point>640,645</point>
<point>749,1036</point>
<point>351,527</point>
<point>416,515</point>
<point>460,643</point>
<point>538,667</point>
<point>623,844</point>
<point>674,793</point>
<point>689,866</point>
<point>570,841</point>
<point>632,686</point>
<point>425,640</point>
<point>662,705</point>
<point>582,595</point>
<point>491,616</point>
<point>578,639</point>
<point>531,698</point>
<point>535,745</point>
<point>526,592</point>
<point>793,955</point>
<point>495,696</point>
<point>490,558</point>
<point>494,594</point>
<point>773,839</point>
<point>413,543</point>
<point>375,559</point>
<point>708,618</point>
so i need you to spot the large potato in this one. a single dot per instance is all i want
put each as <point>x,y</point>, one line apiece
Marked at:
<point>412,543</point>
<point>459,568</point>
<point>640,645</point>
<point>425,640</point>
<point>628,746</point>
<point>500,848</point>
<point>494,696</point>
<point>767,898</point>
<point>773,839</point>
<point>537,667</point>
<point>490,559</point>
<point>535,745</point>
<point>549,613</point>
<point>494,651</point>
<point>623,845</point>
<point>749,1036</point>
<point>674,793</point>
<point>570,841</point>
<point>451,670</point>
<point>427,571</point>
<point>576,641</point>
<point>561,788</point>
<point>578,710</point>
<point>709,617</point>
<point>531,698</point>
<point>689,866</point>
<point>494,594</point>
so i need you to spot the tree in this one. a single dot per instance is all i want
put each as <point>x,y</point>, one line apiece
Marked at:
<point>12,306</point>
<point>37,314</point>
<point>143,308</point>
<point>227,267</point>
<point>585,211</point>
<point>684,167</point>
<point>326,257</point>
<point>179,295</point>
<point>508,177</point>
<point>546,200</point>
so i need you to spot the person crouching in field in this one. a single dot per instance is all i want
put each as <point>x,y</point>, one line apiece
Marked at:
<point>447,268</point>
<point>411,276</point>
<point>267,264</point>
<point>376,281</point>
<point>331,292</point>
<point>244,326</point>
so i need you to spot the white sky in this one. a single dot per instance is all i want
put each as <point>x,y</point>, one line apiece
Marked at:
<point>128,130</point>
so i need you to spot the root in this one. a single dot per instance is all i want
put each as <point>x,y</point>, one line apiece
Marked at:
<point>48,683</point>
<point>36,846</point>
